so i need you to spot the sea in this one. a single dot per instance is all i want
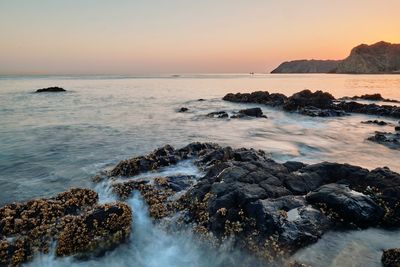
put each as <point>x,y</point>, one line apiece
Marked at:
<point>50,142</point>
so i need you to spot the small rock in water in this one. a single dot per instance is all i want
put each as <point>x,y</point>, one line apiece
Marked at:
<point>391,140</point>
<point>380,123</point>
<point>397,128</point>
<point>253,112</point>
<point>391,257</point>
<point>218,114</point>
<point>51,90</point>
<point>201,99</point>
<point>183,109</point>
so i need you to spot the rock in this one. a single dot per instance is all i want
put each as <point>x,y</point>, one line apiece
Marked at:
<point>307,66</point>
<point>370,109</point>
<point>253,112</point>
<point>350,205</point>
<point>397,128</point>
<point>370,97</point>
<point>317,112</point>
<point>218,114</point>
<point>50,90</point>
<point>267,207</point>
<point>96,231</point>
<point>30,227</point>
<point>306,98</point>
<point>381,57</point>
<point>183,109</point>
<point>391,257</point>
<point>380,123</point>
<point>391,140</point>
<point>258,97</point>
<point>201,99</point>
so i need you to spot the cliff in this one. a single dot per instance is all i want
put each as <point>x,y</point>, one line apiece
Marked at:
<point>379,58</point>
<point>307,66</point>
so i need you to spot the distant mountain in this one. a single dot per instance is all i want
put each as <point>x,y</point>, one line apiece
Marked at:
<point>307,66</point>
<point>378,58</point>
<point>381,57</point>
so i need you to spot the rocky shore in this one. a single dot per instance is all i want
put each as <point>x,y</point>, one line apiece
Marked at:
<point>267,208</point>
<point>270,209</point>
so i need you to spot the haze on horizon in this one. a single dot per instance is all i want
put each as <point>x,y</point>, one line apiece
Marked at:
<point>176,36</point>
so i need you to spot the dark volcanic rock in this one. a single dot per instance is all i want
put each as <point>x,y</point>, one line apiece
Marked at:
<point>391,140</point>
<point>258,97</point>
<point>252,112</point>
<point>370,109</point>
<point>391,257</point>
<point>50,90</point>
<point>218,114</point>
<point>380,123</point>
<point>183,109</point>
<point>72,218</point>
<point>306,98</point>
<point>348,204</point>
<point>370,97</point>
<point>265,206</point>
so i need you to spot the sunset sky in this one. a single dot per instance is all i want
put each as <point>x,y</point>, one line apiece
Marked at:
<point>180,36</point>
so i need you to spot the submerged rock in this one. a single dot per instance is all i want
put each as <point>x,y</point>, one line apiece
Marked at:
<point>183,109</point>
<point>391,257</point>
<point>72,218</point>
<point>380,123</point>
<point>391,140</point>
<point>51,90</point>
<point>218,114</point>
<point>252,112</point>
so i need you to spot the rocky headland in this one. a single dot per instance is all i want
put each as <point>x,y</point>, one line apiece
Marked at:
<point>378,58</point>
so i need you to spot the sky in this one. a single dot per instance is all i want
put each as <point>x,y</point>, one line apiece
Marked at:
<point>181,36</point>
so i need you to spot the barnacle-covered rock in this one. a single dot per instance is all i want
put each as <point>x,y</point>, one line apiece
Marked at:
<point>102,228</point>
<point>391,257</point>
<point>30,227</point>
<point>156,196</point>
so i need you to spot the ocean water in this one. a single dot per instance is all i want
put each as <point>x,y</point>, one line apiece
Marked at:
<point>51,142</point>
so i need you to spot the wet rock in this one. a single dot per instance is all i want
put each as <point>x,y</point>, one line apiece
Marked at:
<point>161,157</point>
<point>317,112</point>
<point>397,128</point>
<point>30,227</point>
<point>306,98</point>
<point>391,140</point>
<point>391,257</point>
<point>258,97</point>
<point>370,109</point>
<point>183,109</point>
<point>155,197</point>
<point>51,90</point>
<point>350,205</point>
<point>218,114</point>
<point>268,207</point>
<point>253,112</point>
<point>100,229</point>
<point>380,123</point>
<point>201,99</point>
<point>317,104</point>
<point>371,97</point>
